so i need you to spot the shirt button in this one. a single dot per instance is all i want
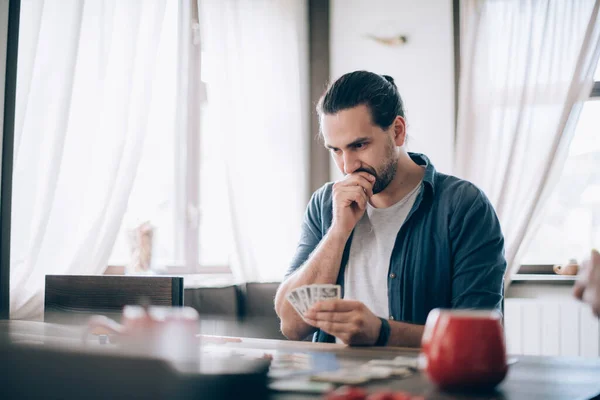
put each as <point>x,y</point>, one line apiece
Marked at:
<point>392,275</point>
<point>392,317</point>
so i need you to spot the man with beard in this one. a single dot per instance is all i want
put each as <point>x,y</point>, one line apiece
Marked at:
<point>400,238</point>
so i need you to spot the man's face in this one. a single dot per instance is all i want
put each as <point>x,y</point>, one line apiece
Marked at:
<point>356,144</point>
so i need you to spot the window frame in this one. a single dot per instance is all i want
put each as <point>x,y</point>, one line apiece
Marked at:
<point>595,90</point>
<point>547,269</point>
<point>187,210</point>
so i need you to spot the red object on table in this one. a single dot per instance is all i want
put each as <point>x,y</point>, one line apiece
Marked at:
<point>347,393</point>
<point>464,349</point>
<point>390,396</point>
<point>355,393</point>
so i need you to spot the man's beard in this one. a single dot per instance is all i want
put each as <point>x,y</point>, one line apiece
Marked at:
<point>388,171</point>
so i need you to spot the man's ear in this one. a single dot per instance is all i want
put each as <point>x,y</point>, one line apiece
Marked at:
<point>399,131</point>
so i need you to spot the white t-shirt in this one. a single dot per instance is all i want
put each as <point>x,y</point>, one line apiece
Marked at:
<point>366,273</point>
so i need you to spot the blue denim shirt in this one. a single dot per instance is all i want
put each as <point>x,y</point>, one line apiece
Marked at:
<point>449,253</point>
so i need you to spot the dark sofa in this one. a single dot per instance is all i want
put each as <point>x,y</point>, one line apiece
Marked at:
<point>236,310</point>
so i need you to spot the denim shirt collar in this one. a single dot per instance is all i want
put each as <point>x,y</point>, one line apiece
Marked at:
<point>429,177</point>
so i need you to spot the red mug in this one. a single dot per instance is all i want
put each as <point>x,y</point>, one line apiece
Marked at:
<point>464,349</point>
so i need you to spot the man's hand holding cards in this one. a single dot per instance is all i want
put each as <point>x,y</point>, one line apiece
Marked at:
<point>304,297</point>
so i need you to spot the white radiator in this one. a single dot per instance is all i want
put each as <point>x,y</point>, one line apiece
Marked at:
<point>551,327</point>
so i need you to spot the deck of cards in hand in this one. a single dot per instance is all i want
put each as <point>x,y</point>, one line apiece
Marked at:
<point>304,297</point>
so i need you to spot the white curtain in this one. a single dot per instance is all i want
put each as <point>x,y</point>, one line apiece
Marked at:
<point>84,89</point>
<point>526,69</point>
<point>256,73</point>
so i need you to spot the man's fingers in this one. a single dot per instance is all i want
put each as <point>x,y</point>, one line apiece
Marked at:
<point>587,286</point>
<point>333,328</point>
<point>578,291</point>
<point>366,175</point>
<point>595,258</point>
<point>336,305</point>
<point>345,317</point>
<point>361,200</point>
<point>358,179</point>
<point>355,194</point>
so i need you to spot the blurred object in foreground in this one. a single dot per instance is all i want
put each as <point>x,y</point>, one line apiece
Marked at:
<point>166,332</point>
<point>32,372</point>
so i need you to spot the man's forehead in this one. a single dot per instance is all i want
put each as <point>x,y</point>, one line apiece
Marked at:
<point>342,141</point>
<point>345,127</point>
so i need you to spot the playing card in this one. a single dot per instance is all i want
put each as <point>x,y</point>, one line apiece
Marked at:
<point>301,296</point>
<point>309,297</point>
<point>329,292</point>
<point>398,362</point>
<point>343,377</point>
<point>381,363</point>
<point>314,293</point>
<point>291,360</point>
<point>303,293</point>
<point>295,301</point>
<point>382,367</point>
<point>401,372</point>
<point>403,361</point>
<point>286,365</point>
<point>377,372</point>
<point>304,297</point>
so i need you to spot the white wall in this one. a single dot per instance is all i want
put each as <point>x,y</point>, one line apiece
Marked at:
<point>423,68</point>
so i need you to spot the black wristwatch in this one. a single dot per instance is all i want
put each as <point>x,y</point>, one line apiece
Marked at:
<point>384,333</point>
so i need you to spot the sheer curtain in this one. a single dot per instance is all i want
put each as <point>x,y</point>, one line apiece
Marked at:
<point>84,89</point>
<point>256,73</point>
<point>526,69</point>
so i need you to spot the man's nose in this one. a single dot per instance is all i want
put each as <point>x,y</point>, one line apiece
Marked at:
<point>351,163</point>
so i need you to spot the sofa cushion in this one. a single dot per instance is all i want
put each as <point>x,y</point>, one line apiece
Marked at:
<point>214,301</point>
<point>259,318</point>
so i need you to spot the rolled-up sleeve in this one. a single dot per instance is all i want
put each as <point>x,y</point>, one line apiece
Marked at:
<point>310,236</point>
<point>479,263</point>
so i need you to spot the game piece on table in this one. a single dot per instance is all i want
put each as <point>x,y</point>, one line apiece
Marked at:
<point>343,377</point>
<point>301,386</point>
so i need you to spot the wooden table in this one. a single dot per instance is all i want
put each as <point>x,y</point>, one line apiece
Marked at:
<point>530,378</point>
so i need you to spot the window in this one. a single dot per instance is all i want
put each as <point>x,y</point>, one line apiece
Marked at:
<point>216,234</point>
<point>158,190</point>
<point>153,196</point>
<point>570,221</point>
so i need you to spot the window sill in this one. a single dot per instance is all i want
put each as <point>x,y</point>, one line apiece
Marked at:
<point>541,273</point>
<point>544,278</point>
<point>206,277</point>
<point>196,281</point>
